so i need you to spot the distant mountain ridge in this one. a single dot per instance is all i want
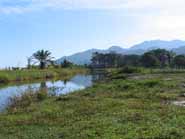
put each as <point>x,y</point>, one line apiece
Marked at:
<point>177,46</point>
<point>154,44</point>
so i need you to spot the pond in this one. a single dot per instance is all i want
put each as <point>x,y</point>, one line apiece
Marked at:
<point>56,88</point>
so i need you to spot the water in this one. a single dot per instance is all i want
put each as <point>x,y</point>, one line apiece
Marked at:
<point>60,87</point>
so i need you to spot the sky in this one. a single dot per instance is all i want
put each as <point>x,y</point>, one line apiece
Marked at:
<point>68,26</point>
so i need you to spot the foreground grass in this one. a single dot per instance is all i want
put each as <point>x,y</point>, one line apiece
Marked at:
<point>36,74</point>
<point>137,107</point>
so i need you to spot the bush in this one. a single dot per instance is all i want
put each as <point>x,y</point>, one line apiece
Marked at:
<point>149,83</point>
<point>128,69</point>
<point>21,101</point>
<point>41,95</point>
<point>152,83</point>
<point>4,79</point>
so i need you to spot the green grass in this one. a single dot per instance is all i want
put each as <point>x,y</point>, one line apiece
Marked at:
<point>36,74</point>
<point>136,107</point>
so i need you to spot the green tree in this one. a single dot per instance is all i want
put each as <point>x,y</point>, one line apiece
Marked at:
<point>98,60</point>
<point>163,56</point>
<point>66,64</point>
<point>29,61</point>
<point>171,56</point>
<point>43,57</point>
<point>179,61</point>
<point>149,60</point>
<point>129,60</point>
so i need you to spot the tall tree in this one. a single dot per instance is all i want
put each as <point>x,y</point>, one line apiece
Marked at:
<point>149,60</point>
<point>163,56</point>
<point>130,60</point>
<point>43,57</point>
<point>179,61</point>
<point>66,64</point>
<point>29,61</point>
<point>171,56</point>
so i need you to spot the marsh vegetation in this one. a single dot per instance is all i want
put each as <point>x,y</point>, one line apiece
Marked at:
<point>137,105</point>
<point>128,102</point>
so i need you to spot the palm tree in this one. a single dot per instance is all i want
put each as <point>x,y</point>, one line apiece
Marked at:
<point>29,61</point>
<point>43,57</point>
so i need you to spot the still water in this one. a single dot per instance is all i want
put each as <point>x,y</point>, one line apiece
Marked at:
<point>60,87</point>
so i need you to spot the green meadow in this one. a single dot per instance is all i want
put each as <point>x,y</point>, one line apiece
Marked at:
<point>7,76</point>
<point>123,106</point>
<point>92,69</point>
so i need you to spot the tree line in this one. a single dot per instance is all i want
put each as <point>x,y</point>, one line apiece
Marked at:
<point>159,58</point>
<point>43,59</point>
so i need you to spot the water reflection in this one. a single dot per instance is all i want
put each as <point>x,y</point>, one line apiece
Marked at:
<point>43,85</point>
<point>60,87</point>
<point>98,75</point>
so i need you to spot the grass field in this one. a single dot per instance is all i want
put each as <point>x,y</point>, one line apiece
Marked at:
<point>35,74</point>
<point>134,106</point>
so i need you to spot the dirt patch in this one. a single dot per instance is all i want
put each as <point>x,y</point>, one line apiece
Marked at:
<point>179,103</point>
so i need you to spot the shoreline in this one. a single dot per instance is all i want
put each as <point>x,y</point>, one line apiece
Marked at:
<point>21,76</point>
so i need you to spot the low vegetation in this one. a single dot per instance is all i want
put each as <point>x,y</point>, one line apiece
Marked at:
<point>7,76</point>
<point>136,100</point>
<point>136,106</point>
<point>40,65</point>
<point>159,58</point>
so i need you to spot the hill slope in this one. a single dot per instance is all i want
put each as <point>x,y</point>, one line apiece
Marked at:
<point>178,46</point>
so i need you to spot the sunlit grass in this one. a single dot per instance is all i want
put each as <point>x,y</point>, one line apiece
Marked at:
<point>127,108</point>
<point>35,74</point>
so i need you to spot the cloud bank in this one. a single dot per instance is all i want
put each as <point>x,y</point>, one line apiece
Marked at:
<point>135,6</point>
<point>156,18</point>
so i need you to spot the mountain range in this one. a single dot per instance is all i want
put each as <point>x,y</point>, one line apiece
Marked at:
<point>177,46</point>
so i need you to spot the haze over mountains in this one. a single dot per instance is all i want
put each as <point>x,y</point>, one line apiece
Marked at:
<point>177,46</point>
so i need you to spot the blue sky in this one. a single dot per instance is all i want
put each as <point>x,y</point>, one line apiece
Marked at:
<point>68,26</point>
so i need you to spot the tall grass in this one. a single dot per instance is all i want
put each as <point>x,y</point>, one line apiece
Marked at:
<point>7,76</point>
<point>26,99</point>
<point>116,109</point>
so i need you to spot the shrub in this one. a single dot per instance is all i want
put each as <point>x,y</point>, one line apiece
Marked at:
<point>41,95</point>
<point>21,101</point>
<point>128,69</point>
<point>4,79</point>
<point>149,83</point>
<point>118,76</point>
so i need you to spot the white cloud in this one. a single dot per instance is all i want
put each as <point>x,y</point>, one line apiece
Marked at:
<point>164,27</point>
<point>162,19</point>
<point>162,6</point>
